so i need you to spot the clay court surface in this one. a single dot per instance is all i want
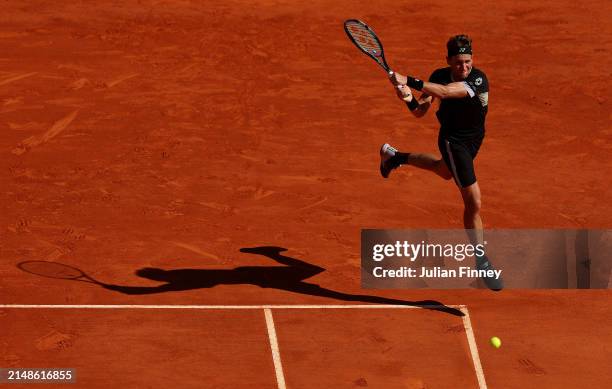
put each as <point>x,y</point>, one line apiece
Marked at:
<point>173,134</point>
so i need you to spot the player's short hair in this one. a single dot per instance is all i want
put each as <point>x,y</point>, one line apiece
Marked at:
<point>459,44</point>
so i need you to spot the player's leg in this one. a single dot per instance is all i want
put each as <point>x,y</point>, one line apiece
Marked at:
<point>460,159</point>
<point>459,156</point>
<point>471,213</point>
<point>473,227</point>
<point>391,158</point>
<point>428,162</point>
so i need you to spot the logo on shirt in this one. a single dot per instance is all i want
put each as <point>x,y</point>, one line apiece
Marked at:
<point>478,81</point>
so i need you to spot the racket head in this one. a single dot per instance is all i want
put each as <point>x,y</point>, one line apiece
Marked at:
<point>51,270</point>
<point>366,40</point>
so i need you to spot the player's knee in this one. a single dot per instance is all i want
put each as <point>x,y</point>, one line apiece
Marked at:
<point>471,200</point>
<point>477,205</point>
<point>472,205</point>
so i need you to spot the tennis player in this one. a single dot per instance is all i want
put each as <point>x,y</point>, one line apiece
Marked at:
<point>463,91</point>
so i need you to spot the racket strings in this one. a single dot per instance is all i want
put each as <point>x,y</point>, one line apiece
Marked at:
<point>364,38</point>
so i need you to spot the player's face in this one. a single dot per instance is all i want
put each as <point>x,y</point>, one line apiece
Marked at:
<point>461,66</point>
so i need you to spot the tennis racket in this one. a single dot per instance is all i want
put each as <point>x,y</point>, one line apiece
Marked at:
<point>367,41</point>
<point>56,270</point>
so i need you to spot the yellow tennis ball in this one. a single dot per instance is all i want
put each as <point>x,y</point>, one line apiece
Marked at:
<point>495,342</point>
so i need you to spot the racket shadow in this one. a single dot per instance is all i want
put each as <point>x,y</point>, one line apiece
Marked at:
<point>290,278</point>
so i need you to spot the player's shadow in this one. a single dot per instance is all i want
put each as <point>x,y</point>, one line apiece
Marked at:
<point>290,278</point>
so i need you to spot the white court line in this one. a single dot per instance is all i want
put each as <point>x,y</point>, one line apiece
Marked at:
<point>278,366</point>
<point>482,384</point>
<point>144,306</point>
<point>270,323</point>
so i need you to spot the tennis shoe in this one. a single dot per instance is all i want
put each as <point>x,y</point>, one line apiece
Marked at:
<point>388,159</point>
<point>483,263</point>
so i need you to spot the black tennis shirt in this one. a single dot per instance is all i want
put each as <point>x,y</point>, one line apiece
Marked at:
<point>464,118</point>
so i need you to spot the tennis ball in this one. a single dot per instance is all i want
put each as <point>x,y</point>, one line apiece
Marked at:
<point>495,342</point>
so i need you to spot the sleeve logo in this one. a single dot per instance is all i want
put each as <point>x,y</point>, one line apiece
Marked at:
<point>478,81</point>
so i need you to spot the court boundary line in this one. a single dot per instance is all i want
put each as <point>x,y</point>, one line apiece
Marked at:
<point>176,306</point>
<point>278,366</point>
<point>467,323</point>
<point>469,332</point>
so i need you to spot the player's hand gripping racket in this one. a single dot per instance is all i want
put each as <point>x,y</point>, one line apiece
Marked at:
<point>56,270</point>
<point>367,41</point>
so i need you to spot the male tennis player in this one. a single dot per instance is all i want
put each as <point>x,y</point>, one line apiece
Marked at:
<point>464,92</point>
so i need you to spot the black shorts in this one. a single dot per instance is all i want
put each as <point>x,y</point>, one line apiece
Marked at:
<point>459,157</point>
